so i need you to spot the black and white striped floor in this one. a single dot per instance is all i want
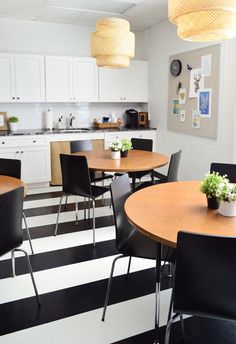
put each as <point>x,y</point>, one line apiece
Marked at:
<point>72,278</point>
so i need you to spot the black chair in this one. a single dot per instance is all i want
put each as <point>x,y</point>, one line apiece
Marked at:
<point>12,168</point>
<point>129,241</point>
<point>139,144</point>
<point>76,181</point>
<point>11,234</point>
<point>83,146</point>
<point>204,283</point>
<point>222,169</point>
<point>172,174</point>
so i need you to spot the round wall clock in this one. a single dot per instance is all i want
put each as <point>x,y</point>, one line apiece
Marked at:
<point>176,67</point>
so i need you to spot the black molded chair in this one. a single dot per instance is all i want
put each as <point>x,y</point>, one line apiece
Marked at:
<point>83,146</point>
<point>129,241</point>
<point>76,181</point>
<point>223,168</point>
<point>172,174</point>
<point>12,168</point>
<point>11,234</point>
<point>204,282</point>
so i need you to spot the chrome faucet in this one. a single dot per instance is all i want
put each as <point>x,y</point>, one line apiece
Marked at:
<point>71,119</point>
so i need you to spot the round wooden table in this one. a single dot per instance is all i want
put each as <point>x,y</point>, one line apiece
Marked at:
<point>161,211</point>
<point>9,183</point>
<point>137,160</point>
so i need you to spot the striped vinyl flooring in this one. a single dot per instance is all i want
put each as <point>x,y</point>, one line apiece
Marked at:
<point>71,277</point>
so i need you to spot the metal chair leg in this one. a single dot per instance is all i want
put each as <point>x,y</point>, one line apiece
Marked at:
<point>182,327</point>
<point>169,270</point>
<point>58,214</point>
<point>84,208</point>
<point>171,305</point>
<point>66,201</point>
<point>13,263</point>
<point>76,211</point>
<point>109,286</point>
<point>127,274</point>
<point>168,327</point>
<point>28,233</point>
<point>158,289</point>
<point>94,223</point>
<point>31,273</point>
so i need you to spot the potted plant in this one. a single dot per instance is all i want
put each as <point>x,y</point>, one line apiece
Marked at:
<point>126,146</point>
<point>210,185</point>
<point>226,195</point>
<point>13,123</point>
<point>115,148</point>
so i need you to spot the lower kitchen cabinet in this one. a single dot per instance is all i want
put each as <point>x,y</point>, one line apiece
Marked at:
<point>35,162</point>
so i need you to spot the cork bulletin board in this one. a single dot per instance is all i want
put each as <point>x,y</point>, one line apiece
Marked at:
<point>193,95</point>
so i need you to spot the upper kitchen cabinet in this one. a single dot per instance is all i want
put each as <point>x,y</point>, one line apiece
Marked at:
<point>70,79</point>
<point>22,78</point>
<point>124,85</point>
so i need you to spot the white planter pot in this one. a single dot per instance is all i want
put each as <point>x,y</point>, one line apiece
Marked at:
<point>13,126</point>
<point>227,208</point>
<point>115,155</point>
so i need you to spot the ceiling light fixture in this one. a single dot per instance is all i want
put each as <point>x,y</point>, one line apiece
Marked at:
<point>203,20</point>
<point>112,44</point>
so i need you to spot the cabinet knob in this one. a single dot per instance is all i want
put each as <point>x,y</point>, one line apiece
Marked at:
<point>34,141</point>
<point>18,98</point>
<point>13,98</point>
<point>124,98</point>
<point>3,143</point>
<point>17,152</point>
<point>22,152</point>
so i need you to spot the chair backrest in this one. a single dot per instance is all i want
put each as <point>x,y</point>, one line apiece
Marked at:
<point>75,175</point>
<point>205,281</point>
<point>120,191</point>
<point>11,206</point>
<point>142,144</point>
<point>10,167</point>
<point>80,146</point>
<point>172,175</point>
<point>222,168</point>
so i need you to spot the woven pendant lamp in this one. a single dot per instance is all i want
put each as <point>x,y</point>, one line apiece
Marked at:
<point>203,20</point>
<point>112,44</point>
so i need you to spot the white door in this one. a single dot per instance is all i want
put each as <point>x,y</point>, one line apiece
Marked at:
<point>7,84</point>
<point>109,85</point>
<point>59,79</point>
<point>134,82</point>
<point>85,77</point>
<point>10,153</point>
<point>35,167</point>
<point>30,82</point>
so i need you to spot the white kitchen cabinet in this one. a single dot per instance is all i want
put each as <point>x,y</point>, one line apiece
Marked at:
<point>110,137</point>
<point>71,79</point>
<point>124,85</point>
<point>34,156</point>
<point>22,78</point>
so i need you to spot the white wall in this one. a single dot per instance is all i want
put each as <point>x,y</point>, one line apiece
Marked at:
<point>197,153</point>
<point>23,36</point>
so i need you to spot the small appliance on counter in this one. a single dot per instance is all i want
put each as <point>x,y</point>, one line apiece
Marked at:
<point>131,119</point>
<point>143,119</point>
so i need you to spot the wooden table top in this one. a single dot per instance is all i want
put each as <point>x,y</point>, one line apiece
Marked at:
<point>161,211</point>
<point>137,160</point>
<point>9,183</point>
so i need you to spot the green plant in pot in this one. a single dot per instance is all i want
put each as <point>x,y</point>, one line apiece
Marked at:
<point>13,123</point>
<point>115,148</point>
<point>226,195</point>
<point>126,146</point>
<point>210,186</point>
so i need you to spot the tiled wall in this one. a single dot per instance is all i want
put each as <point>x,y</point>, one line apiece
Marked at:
<point>24,36</point>
<point>198,152</point>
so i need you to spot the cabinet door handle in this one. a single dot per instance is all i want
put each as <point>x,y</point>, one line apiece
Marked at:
<point>3,143</point>
<point>17,152</point>
<point>22,152</point>
<point>18,98</point>
<point>34,141</point>
<point>124,98</point>
<point>13,98</point>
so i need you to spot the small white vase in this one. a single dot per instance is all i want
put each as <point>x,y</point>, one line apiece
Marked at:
<point>227,208</point>
<point>13,126</point>
<point>115,155</point>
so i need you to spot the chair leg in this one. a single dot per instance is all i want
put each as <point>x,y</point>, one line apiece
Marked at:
<point>171,305</point>
<point>127,274</point>
<point>169,270</point>
<point>58,214</point>
<point>94,223</point>
<point>31,273</point>
<point>13,263</point>
<point>168,327</point>
<point>109,286</point>
<point>28,233</point>
<point>66,201</point>
<point>158,289</point>
<point>103,186</point>
<point>182,327</point>
<point>84,208</point>
<point>76,211</point>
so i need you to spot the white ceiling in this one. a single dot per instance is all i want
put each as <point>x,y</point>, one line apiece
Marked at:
<point>140,13</point>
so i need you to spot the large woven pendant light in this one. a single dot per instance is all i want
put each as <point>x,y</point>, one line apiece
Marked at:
<point>112,44</point>
<point>203,20</point>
